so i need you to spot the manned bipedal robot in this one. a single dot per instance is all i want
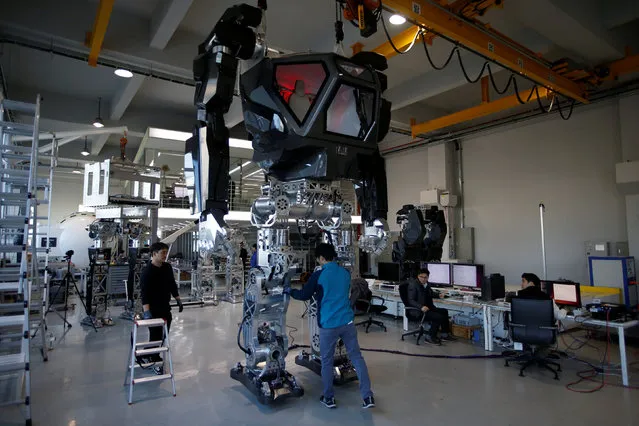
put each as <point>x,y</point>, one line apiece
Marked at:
<point>314,120</point>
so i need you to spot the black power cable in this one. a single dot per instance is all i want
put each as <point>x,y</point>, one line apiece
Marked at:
<point>486,66</point>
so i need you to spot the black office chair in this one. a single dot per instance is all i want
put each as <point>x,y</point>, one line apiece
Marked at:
<point>413,314</point>
<point>367,307</point>
<point>532,323</point>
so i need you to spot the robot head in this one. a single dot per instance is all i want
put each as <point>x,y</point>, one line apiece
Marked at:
<point>311,115</point>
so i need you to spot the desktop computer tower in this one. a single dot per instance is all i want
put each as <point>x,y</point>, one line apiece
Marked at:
<point>493,287</point>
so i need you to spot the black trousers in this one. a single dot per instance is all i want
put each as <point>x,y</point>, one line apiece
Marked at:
<point>439,321</point>
<point>156,333</point>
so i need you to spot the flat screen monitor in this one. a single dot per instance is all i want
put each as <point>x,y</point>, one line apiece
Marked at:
<point>566,294</point>
<point>439,273</point>
<point>467,275</point>
<point>387,271</point>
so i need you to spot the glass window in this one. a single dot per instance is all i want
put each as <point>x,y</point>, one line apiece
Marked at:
<point>298,85</point>
<point>351,112</point>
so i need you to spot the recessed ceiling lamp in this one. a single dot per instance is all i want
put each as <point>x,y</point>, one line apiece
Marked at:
<point>85,151</point>
<point>397,19</point>
<point>121,72</point>
<point>98,121</point>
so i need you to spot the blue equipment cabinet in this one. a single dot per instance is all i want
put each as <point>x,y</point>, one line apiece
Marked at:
<point>615,272</point>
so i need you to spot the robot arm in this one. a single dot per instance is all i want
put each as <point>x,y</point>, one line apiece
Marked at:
<point>207,152</point>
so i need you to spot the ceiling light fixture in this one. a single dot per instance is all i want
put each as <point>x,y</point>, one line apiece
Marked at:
<point>85,151</point>
<point>239,167</point>
<point>77,172</point>
<point>121,72</point>
<point>397,19</point>
<point>98,121</point>
<point>251,174</point>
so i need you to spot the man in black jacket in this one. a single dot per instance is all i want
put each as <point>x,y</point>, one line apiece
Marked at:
<point>157,286</point>
<point>531,289</point>
<point>420,296</point>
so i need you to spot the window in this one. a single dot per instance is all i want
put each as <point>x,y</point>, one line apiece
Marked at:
<point>299,85</point>
<point>351,112</point>
<point>102,178</point>
<point>90,184</point>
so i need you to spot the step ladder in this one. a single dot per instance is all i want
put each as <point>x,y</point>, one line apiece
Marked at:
<point>143,349</point>
<point>21,192</point>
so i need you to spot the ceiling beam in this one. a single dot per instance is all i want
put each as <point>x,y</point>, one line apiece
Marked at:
<point>437,18</point>
<point>61,142</point>
<point>122,99</point>
<point>97,145</point>
<point>620,12</point>
<point>96,37</point>
<point>579,30</point>
<point>166,19</point>
<point>432,83</point>
<point>479,111</point>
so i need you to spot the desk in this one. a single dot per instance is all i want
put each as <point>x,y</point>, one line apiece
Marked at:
<point>621,327</point>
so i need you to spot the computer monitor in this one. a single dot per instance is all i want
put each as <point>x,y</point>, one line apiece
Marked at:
<point>439,273</point>
<point>387,271</point>
<point>567,294</point>
<point>467,275</point>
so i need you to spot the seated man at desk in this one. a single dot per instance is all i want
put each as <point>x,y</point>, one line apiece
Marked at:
<point>531,289</point>
<point>420,296</point>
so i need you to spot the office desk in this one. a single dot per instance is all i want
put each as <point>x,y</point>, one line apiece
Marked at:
<point>621,328</point>
<point>459,303</point>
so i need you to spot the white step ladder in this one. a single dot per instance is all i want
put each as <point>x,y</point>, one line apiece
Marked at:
<point>20,194</point>
<point>148,348</point>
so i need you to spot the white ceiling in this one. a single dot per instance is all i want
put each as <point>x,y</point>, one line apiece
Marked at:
<point>588,31</point>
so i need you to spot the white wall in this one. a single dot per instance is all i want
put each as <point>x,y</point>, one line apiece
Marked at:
<point>407,176</point>
<point>67,195</point>
<point>567,165</point>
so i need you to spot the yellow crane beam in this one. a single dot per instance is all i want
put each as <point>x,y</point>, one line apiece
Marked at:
<point>438,19</point>
<point>478,111</point>
<point>96,37</point>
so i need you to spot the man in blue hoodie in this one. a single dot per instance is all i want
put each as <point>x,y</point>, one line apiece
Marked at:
<point>330,286</point>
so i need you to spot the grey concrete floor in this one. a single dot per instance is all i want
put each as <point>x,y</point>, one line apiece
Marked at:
<point>82,383</point>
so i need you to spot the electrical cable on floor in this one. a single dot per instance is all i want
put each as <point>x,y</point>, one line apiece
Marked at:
<point>395,352</point>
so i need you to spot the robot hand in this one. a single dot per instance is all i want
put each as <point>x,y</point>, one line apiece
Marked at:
<point>375,237</point>
<point>214,235</point>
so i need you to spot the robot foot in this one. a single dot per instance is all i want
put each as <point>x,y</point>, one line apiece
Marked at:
<point>267,389</point>
<point>343,372</point>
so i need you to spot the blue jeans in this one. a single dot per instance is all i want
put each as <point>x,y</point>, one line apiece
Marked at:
<point>328,340</point>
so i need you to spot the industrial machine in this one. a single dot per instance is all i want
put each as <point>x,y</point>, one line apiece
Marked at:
<point>315,120</point>
<point>125,222</point>
<point>421,239</point>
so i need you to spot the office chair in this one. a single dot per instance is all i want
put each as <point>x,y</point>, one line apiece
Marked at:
<point>532,323</point>
<point>367,307</point>
<point>413,314</point>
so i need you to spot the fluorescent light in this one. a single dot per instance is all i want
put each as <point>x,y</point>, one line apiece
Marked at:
<point>85,153</point>
<point>238,167</point>
<point>168,134</point>
<point>121,72</point>
<point>397,19</point>
<point>175,135</point>
<point>77,172</point>
<point>98,123</point>
<point>240,143</point>
<point>251,174</point>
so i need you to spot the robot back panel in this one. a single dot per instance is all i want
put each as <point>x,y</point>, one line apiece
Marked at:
<point>314,115</point>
